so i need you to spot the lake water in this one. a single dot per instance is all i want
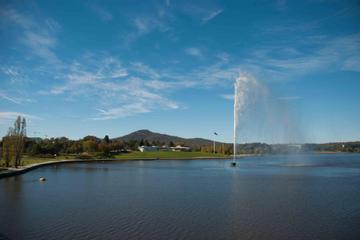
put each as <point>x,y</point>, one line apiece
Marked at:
<point>268,197</point>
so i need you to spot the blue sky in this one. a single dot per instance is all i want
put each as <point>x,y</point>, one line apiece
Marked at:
<point>76,68</point>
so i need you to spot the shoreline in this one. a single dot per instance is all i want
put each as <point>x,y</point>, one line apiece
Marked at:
<point>18,171</point>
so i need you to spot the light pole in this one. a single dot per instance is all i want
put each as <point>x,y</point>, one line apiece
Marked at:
<point>214,146</point>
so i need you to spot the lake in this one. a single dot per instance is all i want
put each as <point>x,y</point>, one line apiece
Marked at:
<point>310,196</point>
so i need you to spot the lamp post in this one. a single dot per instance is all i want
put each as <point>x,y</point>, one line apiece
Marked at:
<point>214,145</point>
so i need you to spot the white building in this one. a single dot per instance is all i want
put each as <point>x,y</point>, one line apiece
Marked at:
<point>148,148</point>
<point>179,148</point>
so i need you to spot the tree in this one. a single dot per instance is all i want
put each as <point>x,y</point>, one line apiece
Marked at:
<point>6,150</point>
<point>104,146</point>
<point>17,136</point>
<point>89,146</point>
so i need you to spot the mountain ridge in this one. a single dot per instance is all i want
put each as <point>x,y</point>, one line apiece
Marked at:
<point>150,136</point>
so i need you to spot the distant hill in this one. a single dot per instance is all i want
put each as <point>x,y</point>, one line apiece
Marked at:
<point>164,138</point>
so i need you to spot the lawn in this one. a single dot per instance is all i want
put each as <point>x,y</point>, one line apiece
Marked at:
<point>28,160</point>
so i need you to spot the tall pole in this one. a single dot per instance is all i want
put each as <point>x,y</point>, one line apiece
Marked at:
<point>214,142</point>
<point>214,145</point>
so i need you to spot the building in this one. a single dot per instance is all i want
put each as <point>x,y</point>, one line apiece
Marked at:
<point>148,148</point>
<point>179,148</point>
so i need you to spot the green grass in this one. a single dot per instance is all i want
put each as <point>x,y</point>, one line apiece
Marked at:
<point>27,160</point>
<point>167,155</point>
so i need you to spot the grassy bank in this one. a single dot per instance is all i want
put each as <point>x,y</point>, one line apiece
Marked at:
<point>29,160</point>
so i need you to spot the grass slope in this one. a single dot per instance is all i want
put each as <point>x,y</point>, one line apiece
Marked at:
<point>28,160</point>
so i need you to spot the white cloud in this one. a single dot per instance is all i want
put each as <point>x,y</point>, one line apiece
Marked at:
<point>115,87</point>
<point>41,45</point>
<point>140,67</point>
<point>155,19</point>
<point>14,115</point>
<point>17,18</point>
<point>352,64</point>
<point>211,15</point>
<point>120,112</point>
<point>16,100</point>
<point>37,36</point>
<point>11,99</point>
<point>195,52</point>
<point>328,54</point>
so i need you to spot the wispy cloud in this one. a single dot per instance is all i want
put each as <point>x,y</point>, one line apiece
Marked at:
<point>153,21</point>
<point>211,15</point>
<point>14,74</point>
<point>328,54</point>
<point>195,52</point>
<point>37,36</point>
<point>103,14</point>
<point>116,87</point>
<point>17,18</point>
<point>16,100</point>
<point>352,64</point>
<point>11,99</point>
<point>14,115</point>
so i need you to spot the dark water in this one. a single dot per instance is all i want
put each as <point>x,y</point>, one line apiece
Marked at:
<point>277,197</point>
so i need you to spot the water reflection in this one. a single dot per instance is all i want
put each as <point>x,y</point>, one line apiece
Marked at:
<point>276,197</point>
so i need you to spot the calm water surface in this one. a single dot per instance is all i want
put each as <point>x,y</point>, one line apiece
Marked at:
<point>271,197</point>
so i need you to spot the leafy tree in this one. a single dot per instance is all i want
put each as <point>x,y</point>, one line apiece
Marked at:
<point>104,146</point>
<point>89,146</point>
<point>106,139</point>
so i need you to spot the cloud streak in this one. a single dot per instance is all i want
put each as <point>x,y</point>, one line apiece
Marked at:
<point>14,115</point>
<point>38,37</point>
<point>211,15</point>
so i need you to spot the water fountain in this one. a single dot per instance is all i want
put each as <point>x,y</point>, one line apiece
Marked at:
<point>246,88</point>
<point>236,103</point>
<point>259,116</point>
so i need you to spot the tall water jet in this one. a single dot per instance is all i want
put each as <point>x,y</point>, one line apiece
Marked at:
<point>236,108</point>
<point>246,91</point>
<point>260,116</point>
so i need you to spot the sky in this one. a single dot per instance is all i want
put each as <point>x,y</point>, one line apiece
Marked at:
<point>77,68</point>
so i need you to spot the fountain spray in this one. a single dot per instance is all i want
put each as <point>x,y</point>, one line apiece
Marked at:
<point>236,107</point>
<point>246,87</point>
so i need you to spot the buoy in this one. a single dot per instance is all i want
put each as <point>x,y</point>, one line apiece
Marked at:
<point>233,164</point>
<point>42,179</point>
